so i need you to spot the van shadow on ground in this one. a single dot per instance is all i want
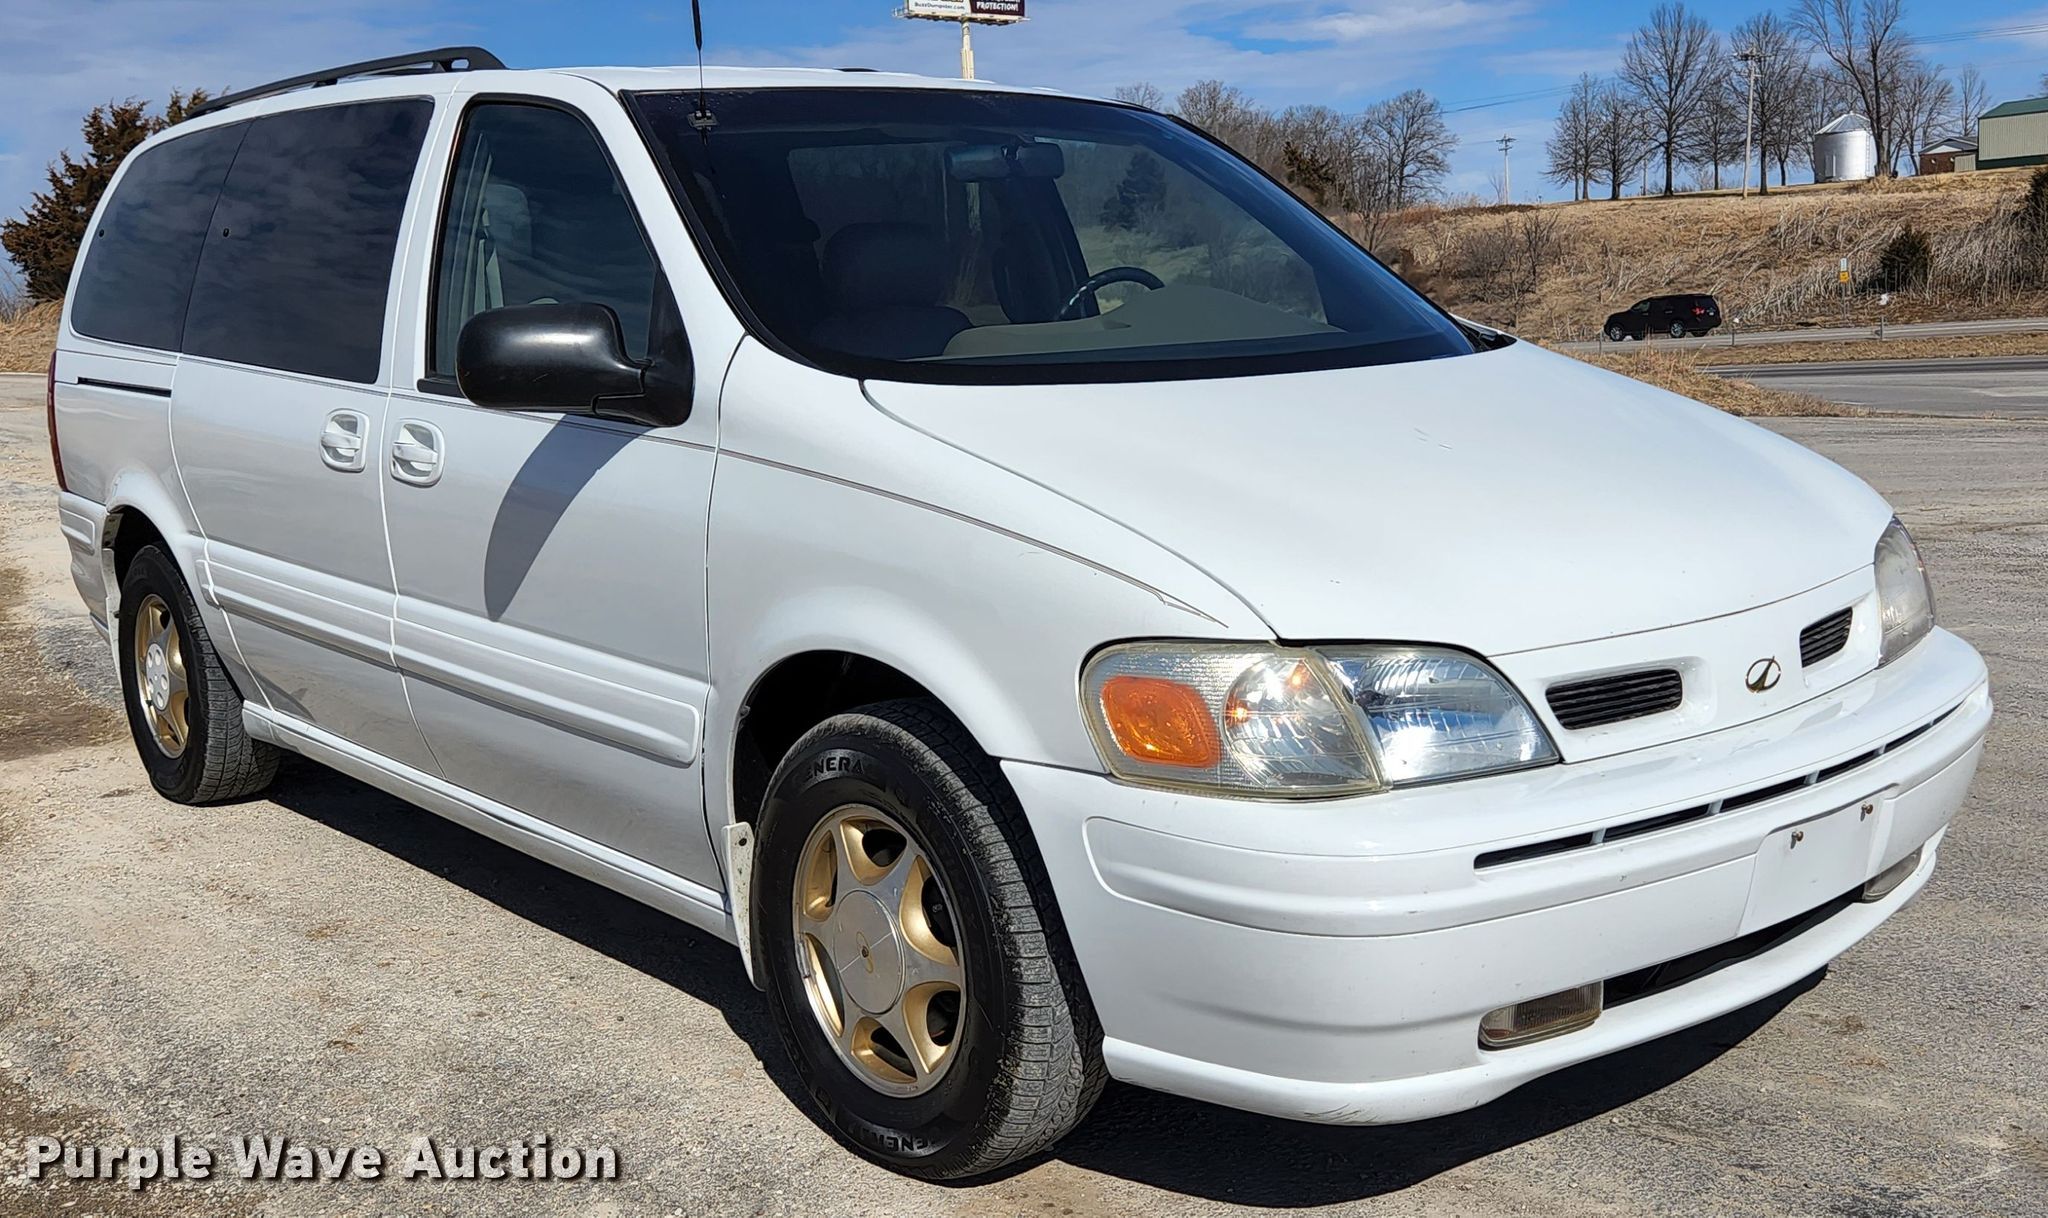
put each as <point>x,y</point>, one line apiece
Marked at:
<point>1163,1141</point>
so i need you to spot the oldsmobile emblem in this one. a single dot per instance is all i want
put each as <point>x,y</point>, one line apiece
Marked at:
<point>1764,675</point>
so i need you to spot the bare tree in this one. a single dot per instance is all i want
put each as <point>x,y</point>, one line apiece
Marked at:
<point>1573,146</point>
<point>1922,99</point>
<point>1973,97</point>
<point>1669,64</point>
<point>1870,53</point>
<point>1415,143</point>
<point>1783,82</point>
<point>1714,136</point>
<point>1143,93</point>
<point>1224,112</point>
<point>1621,138</point>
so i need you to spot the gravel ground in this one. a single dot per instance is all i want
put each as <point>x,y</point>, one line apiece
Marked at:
<point>334,966</point>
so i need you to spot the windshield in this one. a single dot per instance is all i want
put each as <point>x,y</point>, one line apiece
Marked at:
<point>951,235</point>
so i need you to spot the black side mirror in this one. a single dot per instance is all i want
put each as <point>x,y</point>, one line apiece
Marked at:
<point>562,357</point>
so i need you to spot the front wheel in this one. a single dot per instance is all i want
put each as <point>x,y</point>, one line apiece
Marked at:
<point>184,711</point>
<point>1616,334</point>
<point>931,1007</point>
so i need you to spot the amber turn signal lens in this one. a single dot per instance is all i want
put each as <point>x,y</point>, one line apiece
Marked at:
<point>1160,721</point>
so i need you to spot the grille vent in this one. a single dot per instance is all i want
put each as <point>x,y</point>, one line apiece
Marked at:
<point>1615,697</point>
<point>1824,638</point>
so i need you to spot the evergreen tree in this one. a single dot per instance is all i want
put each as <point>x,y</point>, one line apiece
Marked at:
<point>1142,190</point>
<point>44,241</point>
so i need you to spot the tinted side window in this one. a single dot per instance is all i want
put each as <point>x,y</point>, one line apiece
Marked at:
<point>535,215</point>
<point>138,270</point>
<point>298,258</point>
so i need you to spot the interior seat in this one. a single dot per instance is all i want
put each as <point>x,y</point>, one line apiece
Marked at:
<point>885,282</point>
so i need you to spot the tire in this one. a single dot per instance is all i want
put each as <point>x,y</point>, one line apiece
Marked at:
<point>1021,1061</point>
<point>1616,334</point>
<point>1678,329</point>
<point>188,723</point>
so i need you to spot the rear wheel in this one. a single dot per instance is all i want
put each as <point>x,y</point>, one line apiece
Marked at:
<point>931,1008</point>
<point>1678,329</point>
<point>184,712</point>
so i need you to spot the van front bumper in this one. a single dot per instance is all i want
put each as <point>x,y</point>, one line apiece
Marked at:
<point>1331,961</point>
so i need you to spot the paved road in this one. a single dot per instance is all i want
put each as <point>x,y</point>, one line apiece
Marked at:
<point>2013,387</point>
<point>1817,334</point>
<point>330,964</point>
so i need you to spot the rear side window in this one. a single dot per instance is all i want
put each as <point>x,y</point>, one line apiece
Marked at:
<point>298,258</point>
<point>536,216</point>
<point>138,269</point>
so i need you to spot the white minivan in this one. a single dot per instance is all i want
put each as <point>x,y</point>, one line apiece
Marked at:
<point>1052,601</point>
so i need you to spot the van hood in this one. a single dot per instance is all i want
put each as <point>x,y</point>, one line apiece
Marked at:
<point>1502,501</point>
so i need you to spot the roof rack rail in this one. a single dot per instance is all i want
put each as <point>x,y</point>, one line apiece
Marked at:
<point>442,59</point>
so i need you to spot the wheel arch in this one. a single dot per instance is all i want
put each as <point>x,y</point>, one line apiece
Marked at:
<point>141,512</point>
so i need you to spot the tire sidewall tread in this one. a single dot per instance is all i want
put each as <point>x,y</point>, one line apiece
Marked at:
<point>221,762</point>
<point>1028,1066</point>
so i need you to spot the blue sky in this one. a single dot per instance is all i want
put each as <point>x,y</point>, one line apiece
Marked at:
<point>1493,61</point>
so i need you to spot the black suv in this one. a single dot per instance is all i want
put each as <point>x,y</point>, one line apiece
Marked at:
<point>1677,316</point>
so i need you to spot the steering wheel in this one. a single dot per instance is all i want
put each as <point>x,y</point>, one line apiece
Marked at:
<point>1102,279</point>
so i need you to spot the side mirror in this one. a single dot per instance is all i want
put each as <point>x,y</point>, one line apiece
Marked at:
<point>569,358</point>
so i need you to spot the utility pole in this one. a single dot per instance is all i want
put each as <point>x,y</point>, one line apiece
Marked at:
<point>967,50</point>
<point>1749,57</point>
<point>1507,177</point>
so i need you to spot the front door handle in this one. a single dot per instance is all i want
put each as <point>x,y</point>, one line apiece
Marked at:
<point>342,446</point>
<point>416,453</point>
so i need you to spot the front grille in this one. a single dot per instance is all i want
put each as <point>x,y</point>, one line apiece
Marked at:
<point>1825,637</point>
<point>1729,803</point>
<point>1645,982</point>
<point>1613,698</point>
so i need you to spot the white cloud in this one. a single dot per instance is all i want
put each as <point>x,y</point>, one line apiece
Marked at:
<point>1092,46</point>
<point>1391,19</point>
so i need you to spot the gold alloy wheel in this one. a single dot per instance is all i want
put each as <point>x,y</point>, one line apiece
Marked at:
<point>161,687</point>
<point>876,948</point>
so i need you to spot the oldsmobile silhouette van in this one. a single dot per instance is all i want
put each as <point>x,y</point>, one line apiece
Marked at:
<point>1061,609</point>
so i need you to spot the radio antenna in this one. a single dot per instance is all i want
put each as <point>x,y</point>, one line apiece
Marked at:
<point>703,120</point>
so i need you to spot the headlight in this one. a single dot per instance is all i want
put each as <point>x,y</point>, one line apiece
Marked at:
<point>1905,600</point>
<point>1297,722</point>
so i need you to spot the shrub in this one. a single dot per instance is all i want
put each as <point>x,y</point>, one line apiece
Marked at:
<point>2034,206</point>
<point>1906,262</point>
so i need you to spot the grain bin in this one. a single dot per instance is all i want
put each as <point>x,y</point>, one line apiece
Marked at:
<point>1845,150</point>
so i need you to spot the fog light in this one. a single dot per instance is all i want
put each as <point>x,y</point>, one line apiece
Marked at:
<point>1891,877</point>
<point>1540,1018</point>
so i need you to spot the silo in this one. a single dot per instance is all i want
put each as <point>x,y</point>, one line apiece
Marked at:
<point>1845,150</point>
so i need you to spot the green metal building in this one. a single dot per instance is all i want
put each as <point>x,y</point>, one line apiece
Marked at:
<point>2015,133</point>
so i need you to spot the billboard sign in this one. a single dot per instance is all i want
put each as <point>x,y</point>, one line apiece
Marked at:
<point>992,11</point>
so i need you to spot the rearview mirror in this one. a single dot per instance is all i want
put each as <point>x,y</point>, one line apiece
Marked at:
<point>569,358</point>
<point>992,162</point>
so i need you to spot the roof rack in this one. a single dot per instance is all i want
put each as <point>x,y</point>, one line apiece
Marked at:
<point>442,59</point>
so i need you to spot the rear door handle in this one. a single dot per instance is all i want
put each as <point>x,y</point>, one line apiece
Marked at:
<point>341,442</point>
<point>416,453</point>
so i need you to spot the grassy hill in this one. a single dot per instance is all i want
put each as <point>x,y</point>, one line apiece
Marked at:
<point>1556,271</point>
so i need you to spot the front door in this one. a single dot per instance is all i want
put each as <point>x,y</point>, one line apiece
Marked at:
<point>277,403</point>
<point>551,610</point>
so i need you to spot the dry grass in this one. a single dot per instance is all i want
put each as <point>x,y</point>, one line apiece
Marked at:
<point>26,341</point>
<point>1772,259</point>
<point>1962,347</point>
<point>1682,373</point>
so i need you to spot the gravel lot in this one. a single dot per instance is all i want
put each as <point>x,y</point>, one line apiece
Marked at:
<point>338,967</point>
